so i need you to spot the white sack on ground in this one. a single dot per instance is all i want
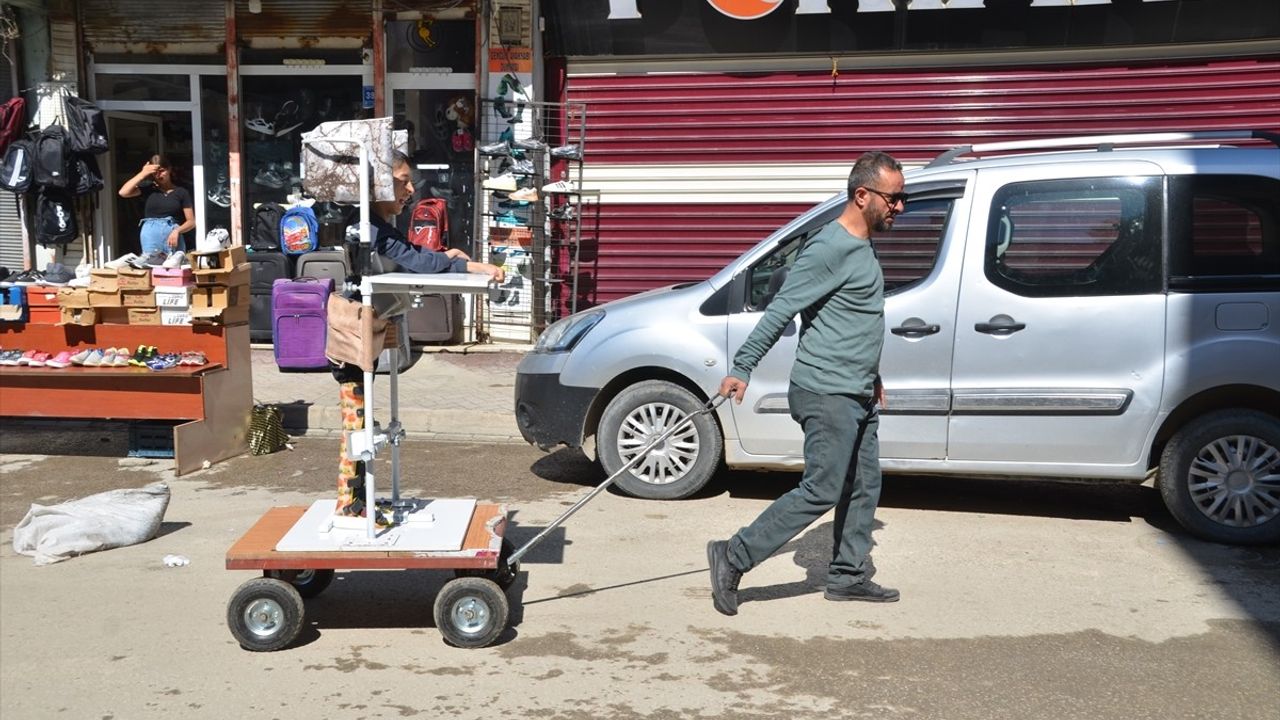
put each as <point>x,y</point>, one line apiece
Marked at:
<point>53,533</point>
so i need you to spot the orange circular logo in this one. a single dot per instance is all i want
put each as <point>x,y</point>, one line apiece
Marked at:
<point>745,9</point>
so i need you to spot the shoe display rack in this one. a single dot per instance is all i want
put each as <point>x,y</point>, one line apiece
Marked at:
<point>530,190</point>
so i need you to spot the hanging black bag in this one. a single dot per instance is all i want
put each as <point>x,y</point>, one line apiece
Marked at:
<point>52,158</point>
<point>86,126</point>
<point>55,217</point>
<point>15,169</point>
<point>88,178</point>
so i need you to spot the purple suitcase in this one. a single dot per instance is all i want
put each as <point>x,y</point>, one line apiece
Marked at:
<point>298,317</point>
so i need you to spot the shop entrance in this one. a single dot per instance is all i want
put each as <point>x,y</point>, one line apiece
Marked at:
<point>135,138</point>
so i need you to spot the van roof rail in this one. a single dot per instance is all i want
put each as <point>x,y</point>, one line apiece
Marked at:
<point>1103,143</point>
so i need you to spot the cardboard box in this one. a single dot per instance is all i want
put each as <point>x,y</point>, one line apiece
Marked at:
<point>171,277</point>
<point>235,315</point>
<point>74,297</point>
<point>233,276</point>
<point>78,316</point>
<point>175,316</point>
<point>103,280</point>
<point>112,315</point>
<point>98,298</point>
<point>137,298</point>
<point>42,296</point>
<point>132,278</point>
<point>173,297</point>
<point>46,315</point>
<point>223,260</point>
<point>219,296</point>
<point>143,316</point>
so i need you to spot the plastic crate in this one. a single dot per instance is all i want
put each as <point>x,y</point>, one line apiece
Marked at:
<point>150,440</point>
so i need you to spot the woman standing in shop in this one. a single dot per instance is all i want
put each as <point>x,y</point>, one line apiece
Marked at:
<point>168,212</point>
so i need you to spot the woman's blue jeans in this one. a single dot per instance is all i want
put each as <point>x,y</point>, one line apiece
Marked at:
<point>155,235</point>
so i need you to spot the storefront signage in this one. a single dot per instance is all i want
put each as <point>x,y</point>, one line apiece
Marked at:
<point>745,9</point>
<point>511,59</point>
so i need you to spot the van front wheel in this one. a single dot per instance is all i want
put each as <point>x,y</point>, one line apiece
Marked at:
<point>677,467</point>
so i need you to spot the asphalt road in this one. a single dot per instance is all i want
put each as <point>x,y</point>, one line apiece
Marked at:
<point>1020,600</point>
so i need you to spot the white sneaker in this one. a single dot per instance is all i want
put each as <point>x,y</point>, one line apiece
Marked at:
<point>561,186</point>
<point>121,261</point>
<point>175,260</point>
<point>505,182</point>
<point>214,241</point>
<point>526,194</point>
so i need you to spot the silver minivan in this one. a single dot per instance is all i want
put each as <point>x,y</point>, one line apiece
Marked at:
<point>1102,308</point>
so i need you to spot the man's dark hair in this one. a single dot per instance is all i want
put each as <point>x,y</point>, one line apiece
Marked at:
<point>398,158</point>
<point>866,172</point>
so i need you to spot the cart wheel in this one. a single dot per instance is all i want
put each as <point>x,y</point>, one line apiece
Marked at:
<point>505,575</point>
<point>308,583</point>
<point>265,614</point>
<point>471,612</point>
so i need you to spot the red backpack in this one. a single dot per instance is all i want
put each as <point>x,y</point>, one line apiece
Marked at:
<point>429,224</point>
<point>13,116</point>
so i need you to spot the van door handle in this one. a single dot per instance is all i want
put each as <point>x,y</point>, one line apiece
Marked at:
<point>915,328</point>
<point>1000,325</point>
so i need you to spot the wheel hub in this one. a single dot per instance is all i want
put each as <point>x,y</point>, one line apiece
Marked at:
<point>1235,481</point>
<point>470,615</point>
<point>669,460</point>
<point>263,617</point>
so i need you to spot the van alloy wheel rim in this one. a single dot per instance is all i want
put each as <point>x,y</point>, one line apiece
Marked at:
<point>1235,481</point>
<point>263,617</point>
<point>669,460</point>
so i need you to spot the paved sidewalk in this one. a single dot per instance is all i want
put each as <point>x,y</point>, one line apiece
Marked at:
<point>456,393</point>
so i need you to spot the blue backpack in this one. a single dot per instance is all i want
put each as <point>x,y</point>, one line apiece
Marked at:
<point>299,231</point>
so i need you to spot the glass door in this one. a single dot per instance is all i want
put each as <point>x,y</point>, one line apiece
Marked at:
<point>134,139</point>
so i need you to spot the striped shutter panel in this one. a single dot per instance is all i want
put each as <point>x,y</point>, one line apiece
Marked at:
<point>10,230</point>
<point>693,168</point>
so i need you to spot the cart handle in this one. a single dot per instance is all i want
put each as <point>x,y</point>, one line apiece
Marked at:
<point>711,405</point>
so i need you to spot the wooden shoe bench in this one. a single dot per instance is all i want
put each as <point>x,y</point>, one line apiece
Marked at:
<point>215,399</point>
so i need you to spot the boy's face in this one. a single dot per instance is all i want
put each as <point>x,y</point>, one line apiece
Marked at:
<point>402,179</point>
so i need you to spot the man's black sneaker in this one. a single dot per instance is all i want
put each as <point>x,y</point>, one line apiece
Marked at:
<point>866,591</point>
<point>724,578</point>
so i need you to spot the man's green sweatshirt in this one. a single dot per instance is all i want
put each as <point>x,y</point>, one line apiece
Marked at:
<point>838,289</point>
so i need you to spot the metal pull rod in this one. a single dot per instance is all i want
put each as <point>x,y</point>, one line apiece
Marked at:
<point>709,407</point>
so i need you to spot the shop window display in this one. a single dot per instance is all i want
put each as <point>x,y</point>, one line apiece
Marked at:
<point>441,126</point>
<point>217,185</point>
<point>277,110</point>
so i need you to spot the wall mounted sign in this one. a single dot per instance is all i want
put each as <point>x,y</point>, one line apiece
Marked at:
<point>745,9</point>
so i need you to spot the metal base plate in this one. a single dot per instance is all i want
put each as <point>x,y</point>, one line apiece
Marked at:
<point>431,525</point>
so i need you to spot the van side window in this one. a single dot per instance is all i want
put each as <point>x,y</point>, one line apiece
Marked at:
<point>907,253</point>
<point>1225,226</point>
<point>1085,237</point>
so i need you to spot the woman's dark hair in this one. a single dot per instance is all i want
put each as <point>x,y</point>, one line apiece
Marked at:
<point>162,160</point>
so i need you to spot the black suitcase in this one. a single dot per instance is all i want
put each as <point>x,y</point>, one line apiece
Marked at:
<point>330,263</point>
<point>266,266</point>
<point>439,320</point>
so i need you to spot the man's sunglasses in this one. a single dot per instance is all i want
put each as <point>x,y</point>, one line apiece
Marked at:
<point>891,199</point>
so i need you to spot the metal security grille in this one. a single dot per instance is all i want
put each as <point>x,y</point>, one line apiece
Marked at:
<point>694,167</point>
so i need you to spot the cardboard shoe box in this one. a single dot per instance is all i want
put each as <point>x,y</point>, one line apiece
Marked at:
<point>143,316</point>
<point>132,278</point>
<point>174,297</point>
<point>224,267</point>
<point>104,298</point>
<point>74,297</point>
<point>103,280</point>
<point>137,298</point>
<point>79,316</point>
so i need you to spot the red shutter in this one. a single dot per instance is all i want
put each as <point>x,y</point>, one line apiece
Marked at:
<point>791,118</point>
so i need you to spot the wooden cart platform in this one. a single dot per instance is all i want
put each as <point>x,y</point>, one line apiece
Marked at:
<point>255,550</point>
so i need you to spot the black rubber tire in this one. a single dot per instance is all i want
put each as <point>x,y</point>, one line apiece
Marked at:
<point>308,583</point>
<point>265,614</point>
<point>1176,480</point>
<point>471,612</point>
<point>710,444</point>
<point>504,575</point>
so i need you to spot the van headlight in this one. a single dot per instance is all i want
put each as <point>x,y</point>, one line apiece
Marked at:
<point>564,334</point>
